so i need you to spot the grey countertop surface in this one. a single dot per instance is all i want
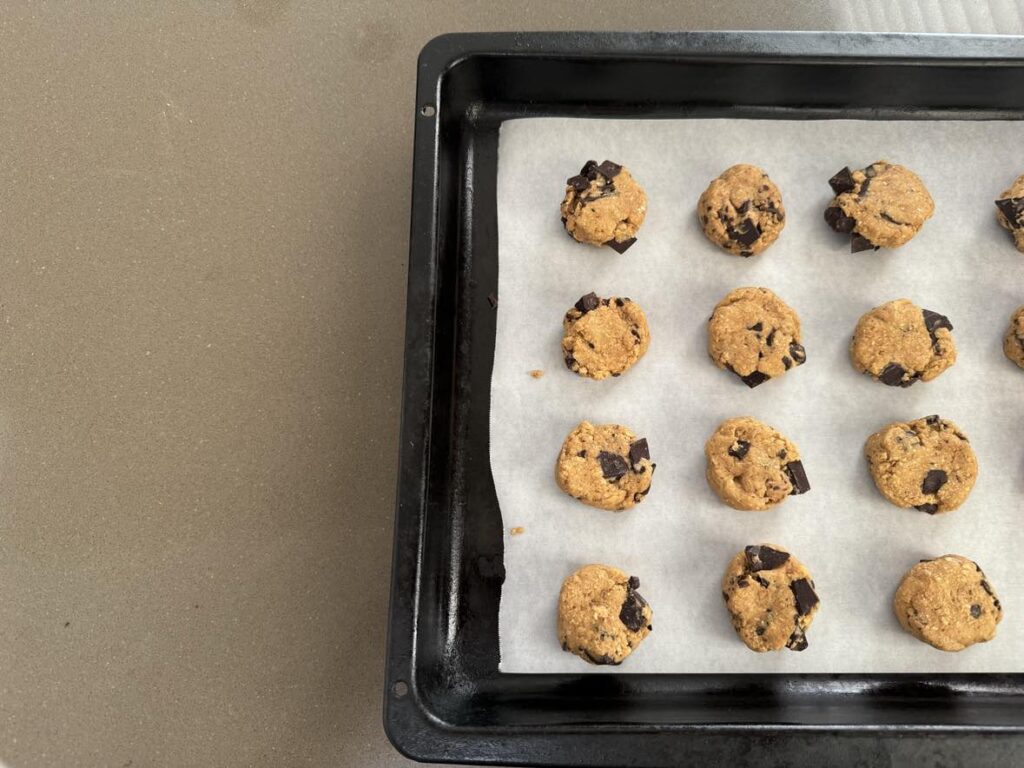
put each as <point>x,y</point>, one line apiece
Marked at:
<point>203,235</point>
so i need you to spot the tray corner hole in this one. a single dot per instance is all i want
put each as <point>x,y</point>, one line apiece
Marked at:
<point>427,110</point>
<point>400,689</point>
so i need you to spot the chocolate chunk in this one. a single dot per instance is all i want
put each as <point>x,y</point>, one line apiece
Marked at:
<point>935,479</point>
<point>745,233</point>
<point>579,183</point>
<point>588,303</point>
<point>931,509</point>
<point>871,171</point>
<point>759,631</point>
<point>621,247</point>
<point>755,378</point>
<point>570,361</point>
<point>771,337</point>
<point>804,595</point>
<point>603,659</point>
<point>892,375</point>
<point>797,641</point>
<point>743,582</point>
<point>744,207</point>
<point>842,182</point>
<point>860,243</point>
<point>783,454</point>
<point>764,558</point>
<point>976,610</point>
<point>613,466</point>
<point>492,300</point>
<point>621,302</point>
<point>933,321</point>
<point>786,363</point>
<point>839,221</point>
<point>739,449</point>
<point>609,170</point>
<point>797,352</point>
<point>932,421</point>
<point>589,169</point>
<point>582,454</point>
<point>863,191</point>
<point>762,581</point>
<point>634,582</point>
<point>798,477</point>
<point>632,612</point>
<point>638,451</point>
<point>755,327</point>
<point>1012,208</point>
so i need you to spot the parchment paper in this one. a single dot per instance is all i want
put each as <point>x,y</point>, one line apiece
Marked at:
<point>679,539</point>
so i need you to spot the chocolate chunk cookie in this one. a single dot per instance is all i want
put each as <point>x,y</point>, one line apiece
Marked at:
<point>1013,341</point>
<point>881,206</point>
<point>605,466</point>
<point>927,464</point>
<point>899,343</point>
<point>770,596</point>
<point>604,337</point>
<point>756,335</point>
<point>601,616</point>
<point>1010,211</point>
<point>604,205</point>
<point>741,211</point>
<point>948,603</point>
<point>751,466</point>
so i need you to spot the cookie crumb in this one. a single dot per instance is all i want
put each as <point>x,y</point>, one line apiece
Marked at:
<point>536,373</point>
<point>517,530</point>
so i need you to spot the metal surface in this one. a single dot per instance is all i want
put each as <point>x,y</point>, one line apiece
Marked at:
<point>204,217</point>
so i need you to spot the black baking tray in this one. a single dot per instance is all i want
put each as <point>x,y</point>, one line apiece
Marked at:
<point>444,698</point>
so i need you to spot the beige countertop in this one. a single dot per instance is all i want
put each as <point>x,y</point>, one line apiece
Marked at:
<point>203,235</point>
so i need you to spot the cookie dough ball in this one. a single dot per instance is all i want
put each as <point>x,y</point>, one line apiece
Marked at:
<point>1013,341</point>
<point>899,343</point>
<point>881,206</point>
<point>751,466</point>
<point>601,616</point>
<point>741,211</point>
<point>770,596</point>
<point>604,337</point>
<point>756,335</point>
<point>927,464</point>
<point>1010,211</point>
<point>948,603</point>
<point>604,205</point>
<point>605,466</point>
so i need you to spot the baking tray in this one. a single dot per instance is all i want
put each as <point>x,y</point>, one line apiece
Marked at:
<point>444,697</point>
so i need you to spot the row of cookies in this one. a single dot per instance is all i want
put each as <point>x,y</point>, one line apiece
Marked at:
<point>926,464</point>
<point>741,211</point>
<point>946,602</point>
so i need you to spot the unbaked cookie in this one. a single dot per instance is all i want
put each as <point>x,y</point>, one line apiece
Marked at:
<point>605,466</point>
<point>741,211</point>
<point>1010,211</point>
<point>927,464</point>
<point>751,466</point>
<point>756,335</point>
<point>604,337</point>
<point>770,596</point>
<point>948,603</point>
<point>899,343</point>
<point>883,205</point>
<point>601,616</point>
<point>1013,341</point>
<point>604,205</point>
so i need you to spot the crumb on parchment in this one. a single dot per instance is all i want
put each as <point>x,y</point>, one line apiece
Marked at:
<point>536,373</point>
<point>517,530</point>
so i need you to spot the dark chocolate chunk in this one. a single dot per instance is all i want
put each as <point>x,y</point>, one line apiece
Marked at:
<point>764,558</point>
<point>804,595</point>
<point>1013,209</point>
<point>632,612</point>
<point>860,243</point>
<point>634,582</point>
<point>755,378</point>
<point>588,303</point>
<point>783,454</point>
<point>570,361</point>
<point>892,375</point>
<point>933,321</point>
<point>620,302</point>
<point>976,610</point>
<point>931,509</point>
<point>745,233</point>
<point>771,337</point>
<point>603,659</point>
<point>638,451</point>
<point>871,171</point>
<point>933,421</point>
<point>582,454</point>
<point>755,327</point>
<point>839,221</point>
<point>613,466</point>
<point>798,477</point>
<point>762,581</point>
<point>786,362</point>
<point>797,641</point>
<point>863,191</point>
<point>621,247</point>
<point>739,449</point>
<point>743,582</point>
<point>759,631</point>
<point>797,352</point>
<point>743,207</point>
<point>935,479</point>
<point>842,182</point>
<point>579,183</point>
<point>492,300</point>
<point>609,170</point>
<point>589,169</point>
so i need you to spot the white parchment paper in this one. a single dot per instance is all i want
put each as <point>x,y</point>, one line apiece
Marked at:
<point>678,541</point>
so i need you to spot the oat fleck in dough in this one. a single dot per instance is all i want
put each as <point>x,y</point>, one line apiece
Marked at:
<point>751,466</point>
<point>601,616</point>
<point>771,598</point>
<point>604,205</point>
<point>948,603</point>
<point>881,206</point>
<point>605,466</point>
<point>1013,341</point>
<point>899,343</point>
<point>741,211</point>
<point>756,335</point>
<point>604,337</point>
<point>927,464</point>
<point>1010,211</point>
